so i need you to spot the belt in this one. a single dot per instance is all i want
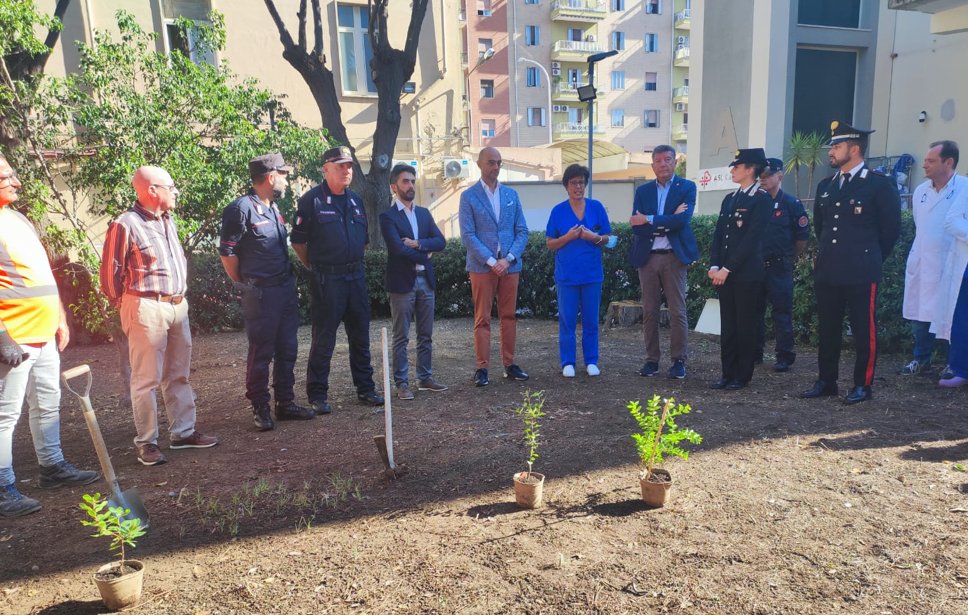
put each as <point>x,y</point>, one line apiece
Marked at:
<point>276,280</point>
<point>665,251</point>
<point>347,268</point>
<point>776,260</point>
<point>172,299</point>
<point>422,272</point>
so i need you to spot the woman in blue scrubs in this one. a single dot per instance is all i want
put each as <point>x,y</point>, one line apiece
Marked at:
<point>578,231</point>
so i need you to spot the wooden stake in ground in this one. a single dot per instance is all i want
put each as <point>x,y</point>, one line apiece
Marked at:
<point>384,443</point>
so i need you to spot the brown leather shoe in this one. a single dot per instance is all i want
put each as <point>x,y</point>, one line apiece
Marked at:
<point>196,440</point>
<point>150,455</point>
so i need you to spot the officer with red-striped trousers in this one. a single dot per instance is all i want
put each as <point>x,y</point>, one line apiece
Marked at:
<point>857,218</point>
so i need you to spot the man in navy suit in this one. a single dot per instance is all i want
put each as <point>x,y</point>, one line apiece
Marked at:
<point>412,237</point>
<point>494,231</point>
<point>662,248</point>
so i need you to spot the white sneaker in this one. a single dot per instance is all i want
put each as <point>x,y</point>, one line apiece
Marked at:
<point>568,371</point>
<point>593,370</point>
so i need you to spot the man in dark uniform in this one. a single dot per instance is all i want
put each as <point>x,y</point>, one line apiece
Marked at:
<point>329,237</point>
<point>857,218</point>
<point>255,255</point>
<point>736,267</point>
<point>786,235</point>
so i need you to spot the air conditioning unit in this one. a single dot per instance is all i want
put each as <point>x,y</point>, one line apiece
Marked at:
<point>555,108</point>
<point>556,65</point>
<point>680,106</point>
<point>556,72</point>
<point>457,168</point>
<point>682,39</point>
<point>414,164</point>
<point>564,108</point>
<point>590,38</point>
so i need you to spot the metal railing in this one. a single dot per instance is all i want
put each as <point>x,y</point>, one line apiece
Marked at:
<point>572,88</point>
<point>576,128</point>
<point>592,7</point>
<point>578,47</point>
<point>680,91</point>
<point>682,54</point>
<point>680,129</point>
<point>682,15</point>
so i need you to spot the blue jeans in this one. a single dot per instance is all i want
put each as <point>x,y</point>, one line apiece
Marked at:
<point>958,354</point>
<point>924,341</point>
<point>419,303</point>
<point>37,380</point>
<point>587,298</point>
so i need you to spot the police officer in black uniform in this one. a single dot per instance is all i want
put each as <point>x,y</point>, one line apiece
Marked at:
<point>736,267</point>
<point>329,237</point>
<point>857,218</point>
<point>786,235</point>
<point>255,254</point>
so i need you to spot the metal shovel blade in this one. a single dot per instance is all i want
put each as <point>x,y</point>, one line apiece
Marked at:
<point>129,500</point>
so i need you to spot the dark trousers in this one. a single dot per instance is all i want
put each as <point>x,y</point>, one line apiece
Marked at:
<point>739,317</point>
<point>272,338</point>
<point>778,290</point>
<point>339,299</point>
<point>859,300</point>
<point>958,356</point>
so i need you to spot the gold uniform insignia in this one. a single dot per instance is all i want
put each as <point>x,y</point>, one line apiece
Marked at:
<point>834,124</point>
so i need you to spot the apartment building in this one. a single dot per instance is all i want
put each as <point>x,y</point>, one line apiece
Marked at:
<point>525,92</point>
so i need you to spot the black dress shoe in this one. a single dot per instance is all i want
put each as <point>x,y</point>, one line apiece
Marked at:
<point>288,411</point>
<point>515,373</point>
<point>480,378</point>
<point>736,385</point>
<point>320,406</point>
<point>821,389</point>
<point>857,395</point>
<point>720,384</point>
<point>370,398</point>
<point>781,366</point>
<point>261,418</point>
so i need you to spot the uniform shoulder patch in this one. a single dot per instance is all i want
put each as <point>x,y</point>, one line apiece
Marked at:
<point>803,222</point>
<point>880,173</point>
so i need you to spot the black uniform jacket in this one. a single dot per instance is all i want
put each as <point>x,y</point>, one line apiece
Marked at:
<point>740,230</point>
<point>857,227</point>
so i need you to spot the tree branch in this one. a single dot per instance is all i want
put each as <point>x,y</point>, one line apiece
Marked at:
<point>301,14</point>
<point>284,35</point>
<point>318,32</point>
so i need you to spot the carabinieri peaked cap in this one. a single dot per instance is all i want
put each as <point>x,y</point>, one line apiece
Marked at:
<point>839,131</point>
<point>755,156</point>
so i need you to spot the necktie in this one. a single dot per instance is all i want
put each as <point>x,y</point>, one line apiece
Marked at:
<point>846,179</point>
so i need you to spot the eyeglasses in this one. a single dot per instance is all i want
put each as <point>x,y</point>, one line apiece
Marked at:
<point>169,187</point>
<point>577,184</point>
<point>9,177</point>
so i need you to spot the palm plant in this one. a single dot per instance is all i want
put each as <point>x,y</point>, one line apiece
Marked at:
<point>804,149</point>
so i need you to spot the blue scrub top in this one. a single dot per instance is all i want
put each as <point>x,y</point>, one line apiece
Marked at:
<point>579,261</point>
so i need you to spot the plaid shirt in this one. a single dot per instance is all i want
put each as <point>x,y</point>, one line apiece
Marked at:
<point>142,253</point>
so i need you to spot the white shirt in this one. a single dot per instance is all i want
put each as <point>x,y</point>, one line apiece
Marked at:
<point>412,217</point>
<point>853,173</point>
<point>495,199</point>
<point>662,243</point>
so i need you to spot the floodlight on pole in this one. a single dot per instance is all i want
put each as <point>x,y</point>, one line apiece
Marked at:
<point>589,96</point>
<point>547,81</point>
<point>487,55</point>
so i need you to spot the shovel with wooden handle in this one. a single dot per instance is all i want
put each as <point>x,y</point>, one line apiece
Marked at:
<point>129,500</point>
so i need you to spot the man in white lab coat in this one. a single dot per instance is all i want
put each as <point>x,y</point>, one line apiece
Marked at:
<point>930,203</point>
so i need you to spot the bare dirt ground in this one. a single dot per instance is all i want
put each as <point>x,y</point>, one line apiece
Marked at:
<point>787,506</point>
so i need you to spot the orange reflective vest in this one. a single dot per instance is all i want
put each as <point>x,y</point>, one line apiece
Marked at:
<point>29,302</point>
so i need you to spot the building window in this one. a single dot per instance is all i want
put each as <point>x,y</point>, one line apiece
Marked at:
<point>536,116</point>
<point>618,41</point>
<point>531,1</point>
<point>651,43</point>
<point>618,79</point>
<point>651,82</point>
<point>534,77</point>
<point>832,13</point>
<point>618,118</point>
<point>618,5</point>
<point>531,36</point>
<point>812,106</point>
<point>487,88</point>
<point>184,41</point>
<point>484,8</point>
<point>576,35</point>
<point>355,52</point>
<point>651,118</point>
<point>483,44</point>
<point>653,7</point>
<point>487,129</point>
<point>574,76</point>
<point>685,79</point>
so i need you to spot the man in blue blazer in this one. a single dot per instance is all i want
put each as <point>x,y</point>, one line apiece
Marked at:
<point>494,231</point>
<point>412,237</point>
<point>662,248</point>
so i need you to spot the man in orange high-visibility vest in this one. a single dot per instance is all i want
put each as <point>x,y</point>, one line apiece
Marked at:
<point>33,331</point>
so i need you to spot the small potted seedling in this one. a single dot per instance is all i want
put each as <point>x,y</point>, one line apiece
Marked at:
<point>659,435</point>
<point>119,583</point>
<point>528,485</point>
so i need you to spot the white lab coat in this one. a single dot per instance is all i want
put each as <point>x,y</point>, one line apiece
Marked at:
<point>929,251</point>
<point>956,226</point>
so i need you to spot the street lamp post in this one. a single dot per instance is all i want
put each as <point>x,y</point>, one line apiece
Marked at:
<point>548,81</point>
<point>589,96</point>
<point>488,54</point>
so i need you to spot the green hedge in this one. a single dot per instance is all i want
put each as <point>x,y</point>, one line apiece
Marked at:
<point>213,306</point>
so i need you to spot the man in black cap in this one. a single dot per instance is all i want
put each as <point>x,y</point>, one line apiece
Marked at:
<point>736,267</point>
<point>857,218</point>
<point>329,237</point>
<point>255,255</point>
<point>786,235</point>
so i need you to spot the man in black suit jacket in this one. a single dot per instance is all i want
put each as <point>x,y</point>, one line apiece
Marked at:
<point>411,236</point>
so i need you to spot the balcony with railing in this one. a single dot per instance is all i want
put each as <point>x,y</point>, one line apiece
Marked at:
<point>578,10</point>
<point>681,21</point>
<point>573,130</point>
<point>681,94</point>
<point>680,132</point>
<point>682,57</point>
<point>569,91</point>
<point>464,59</point>
<point>575,51</point>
